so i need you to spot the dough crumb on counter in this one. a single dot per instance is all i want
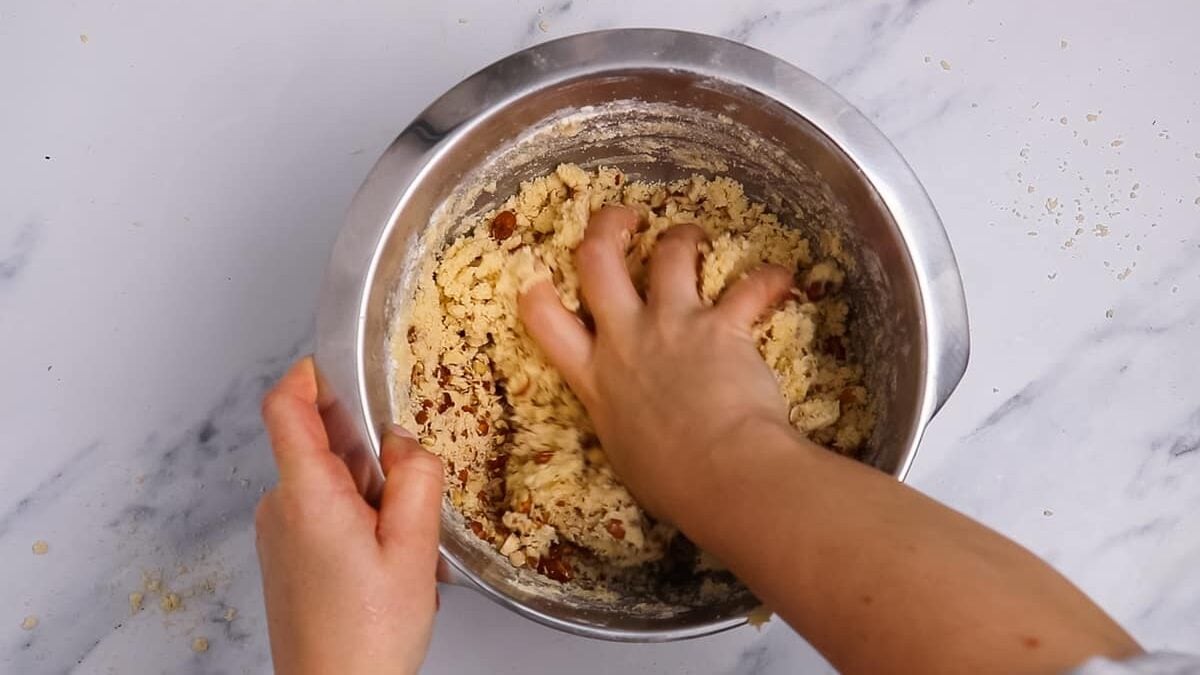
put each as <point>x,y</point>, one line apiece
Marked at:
<point>170,602</point>
<point>40,547</point>
<point>759,617</point>
<point>523,464</point>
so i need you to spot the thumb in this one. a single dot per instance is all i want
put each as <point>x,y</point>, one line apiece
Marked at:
<point>410,509</point>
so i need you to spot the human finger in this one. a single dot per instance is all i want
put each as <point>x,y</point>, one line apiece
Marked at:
<point>603,276</point>
<point>560,334</point>
<point>673,268</point>
<point>752,295</point>
<point>410,508</point>
<point>296,431</point>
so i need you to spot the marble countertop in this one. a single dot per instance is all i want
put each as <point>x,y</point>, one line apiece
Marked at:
<point>172,178</point>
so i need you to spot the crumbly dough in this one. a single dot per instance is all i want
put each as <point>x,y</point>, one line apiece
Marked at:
<point>522,460</point>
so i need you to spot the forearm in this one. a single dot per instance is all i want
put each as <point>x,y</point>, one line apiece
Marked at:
<point>923,588</point>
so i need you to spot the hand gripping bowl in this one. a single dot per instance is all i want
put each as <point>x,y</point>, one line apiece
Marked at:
<point>658,104</point>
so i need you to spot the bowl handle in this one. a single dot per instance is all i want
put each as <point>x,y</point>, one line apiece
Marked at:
<point>949,335</point>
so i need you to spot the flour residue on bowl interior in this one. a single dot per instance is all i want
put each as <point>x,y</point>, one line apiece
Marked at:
<point>523,464</point>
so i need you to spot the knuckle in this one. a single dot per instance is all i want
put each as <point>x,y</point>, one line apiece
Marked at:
<point>270,402</point>
<point>687,231</point>
<point>424,462</point>
<point>590,251</point>
<point>416,461</point>
<point>760,284</point>
<point>263,512</point>
<point>766,280</point>
<point>674,244</point>
<point>295,508</point>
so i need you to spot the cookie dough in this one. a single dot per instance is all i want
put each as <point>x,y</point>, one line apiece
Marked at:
<point>523,464</point>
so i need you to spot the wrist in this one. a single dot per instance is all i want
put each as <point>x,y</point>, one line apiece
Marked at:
<point>730,468</point>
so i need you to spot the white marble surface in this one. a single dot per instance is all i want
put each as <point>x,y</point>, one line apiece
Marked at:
<point>172,177</point>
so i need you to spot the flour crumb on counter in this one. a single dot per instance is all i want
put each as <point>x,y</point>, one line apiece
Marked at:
<point>200,645</point>
<point>170,602</point>
<point>30,622</point>
<point>40,547</point>
<point>136,599</point>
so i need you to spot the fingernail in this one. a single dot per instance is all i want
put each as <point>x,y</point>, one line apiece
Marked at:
<point>400,431</point>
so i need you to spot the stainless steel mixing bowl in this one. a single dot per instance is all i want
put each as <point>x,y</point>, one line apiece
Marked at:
<point>658,104</point>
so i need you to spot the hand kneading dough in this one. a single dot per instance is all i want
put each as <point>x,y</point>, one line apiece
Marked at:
<point>523,464</point>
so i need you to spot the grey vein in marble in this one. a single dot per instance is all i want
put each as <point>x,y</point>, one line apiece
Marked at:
<point>189,491</point>
<point>16,256</point>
